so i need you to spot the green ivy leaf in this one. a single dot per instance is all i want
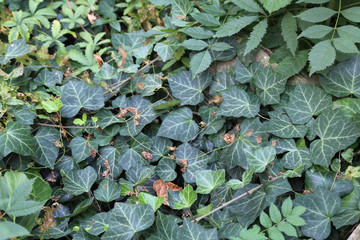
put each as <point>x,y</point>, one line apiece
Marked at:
<point>17,139</point>
<point>181,7</point>
<point>346,217</point>
<point>288,31</point>
<point>107,191</point>
<point>234,184</point>
<point>45,148</point>
<point>274,5</point>
<point>82,148</point>
<point>195,231</point>
<point>321,56</point>
<point>343,79</point>
<point>188,89</point>
<point>166,169</point>
<point>166,52</point>
<point>167,228</point>
<point>242,74</point>
<point>316,14</point>
<point>208,180</point>
<point>305,102</point>
<point>106,72</point>
<point>256,36</point>
<point>187,197</point>
<point>77,94</point>
<point>320,206</point>
<point>16,49</point>
<point>128,219</point>
<point>77,182</point>
<point>234,26</point>
<point>260,158</point>
<point>280,125</point>
<point>238,103</point>
<point>178,125</point>
<point>335,132</point>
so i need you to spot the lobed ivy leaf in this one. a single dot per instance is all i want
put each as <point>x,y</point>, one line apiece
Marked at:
<point>15,49</point>
<point>335,132</point>
<point>259,158</point>
<point>178,125</point>
<point>77,94</point>
<point>280,125</point>
<point>107,191</point>
<point>208,180</point>
<point>45,146</point>
<point>343,79</point>
<point>82,148</point>
<point>166,52</point>
<point>77,182</point>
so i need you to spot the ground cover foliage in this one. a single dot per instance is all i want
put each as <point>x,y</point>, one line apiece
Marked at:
<point>120,121</point>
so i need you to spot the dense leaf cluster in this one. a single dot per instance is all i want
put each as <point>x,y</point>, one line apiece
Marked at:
<point>181,119</point>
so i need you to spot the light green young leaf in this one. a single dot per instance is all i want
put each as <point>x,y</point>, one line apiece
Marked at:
<point>275,234</point>
<point>260,158</point>
<point>234,26</point>
<point>288,31</point>
<point>154,202</point>
<point>208,180</point>
<point>321,56</point>
<point>51,106</point>
<point>187,197</point>
<point>200,62</point>
<point>234,184</point>
<point>274,5</point>
<point>316,14</point>
<point>288,229</point>
<point>275,214</point>
<point>316,32</point>
<point>305,102</point>
<point>287,207</point>
<point>265,220</point>
<point>77,182</point>
<point>352,14</point>
<point>256,36</point>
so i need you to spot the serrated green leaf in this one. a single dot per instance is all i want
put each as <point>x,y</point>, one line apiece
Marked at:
<point>335,132</point>
<point>280,125</point>
<point>316,32</point>
<point>286,207</point>
<point>343,79</point>
<point>77,182</point>
<point>208,180</point>
<point>206,19</point>
<point>352,14</point>
<point>77,95</point>
<point>107,191</point>
<point>194,44</point>
<point>200,62</point>
<point>321,56</point>
<point>316,14</point>
<point>275,234</point>
<point>274,5</point>
<point>220,46</point>
<point>288,31</point>
<point>265,220</point>
<point>187,197</point>
<point>288,229</point>
<point>275,214</point>
<point>305,102</point>
<point>256,36</point>
<point>237,103</point>
<point>128,219</point>
<point>45,148</point>
<point>252,233</point>
<point>260,158</point>
<point>248,5</point>
<point>188,89</point>
<point>17,139</point>
<point>349,32</point>
<point>198,32</point>
<point>345,45</point>
<point>320,206</point>
<point>12,230</point>
<point>234,26</point>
